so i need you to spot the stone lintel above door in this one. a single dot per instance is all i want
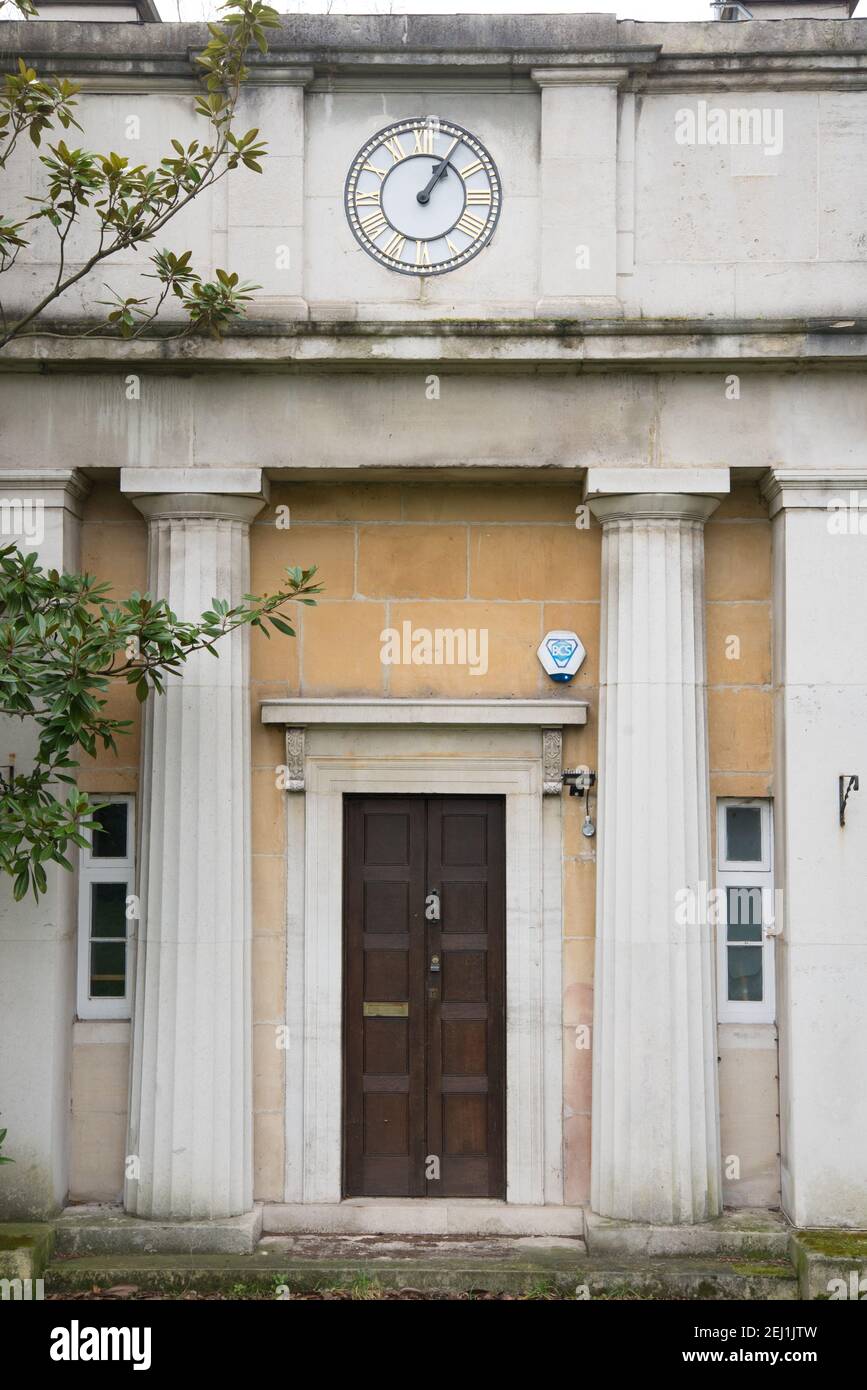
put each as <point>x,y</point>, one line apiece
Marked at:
<point>543,714</point>
<point>549,716</point>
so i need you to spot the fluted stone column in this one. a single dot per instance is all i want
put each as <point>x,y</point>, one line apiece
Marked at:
<point>190,1111</point>
<point>656,1145</point>
<point>41,511</point>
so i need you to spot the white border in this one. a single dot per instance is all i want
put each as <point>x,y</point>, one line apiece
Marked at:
<point>734,874</point>
<point>534,1061</point>
<point>92,869</point>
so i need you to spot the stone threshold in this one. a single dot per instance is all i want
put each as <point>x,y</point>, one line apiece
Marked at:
<point>421,1216</point>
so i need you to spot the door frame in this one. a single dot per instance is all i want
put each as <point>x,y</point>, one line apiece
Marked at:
<point>429,762</point>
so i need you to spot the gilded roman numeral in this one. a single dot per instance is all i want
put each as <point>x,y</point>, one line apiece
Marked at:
<point>424,140</point>
<point>422,253</point>
<point>395,148</point>
<point>367,199</point>
<point>479,196</point>
<point>372,169</point>
<point>373,225</point>
<point>452,247</point>
<point>395,246</point>
<point>470,225</point>
<point>471,169</point>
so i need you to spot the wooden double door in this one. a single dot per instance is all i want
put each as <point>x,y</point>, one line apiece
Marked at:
<point>424,996</point>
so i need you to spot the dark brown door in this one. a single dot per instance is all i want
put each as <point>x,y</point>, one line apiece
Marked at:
<point>424,1034</point>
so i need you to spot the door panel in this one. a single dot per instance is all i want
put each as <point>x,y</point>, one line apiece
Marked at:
<point>384,997</point>
<point>424,1030</point>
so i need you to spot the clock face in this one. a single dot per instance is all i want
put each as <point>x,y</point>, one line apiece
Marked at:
<point>423,196</point>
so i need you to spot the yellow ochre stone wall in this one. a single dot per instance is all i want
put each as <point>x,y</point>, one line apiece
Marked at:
<point>503,557</point>
<point>741,731</point>
<point>114,548</point>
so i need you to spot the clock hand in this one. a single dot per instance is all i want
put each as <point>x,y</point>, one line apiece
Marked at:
<point>439,172</point>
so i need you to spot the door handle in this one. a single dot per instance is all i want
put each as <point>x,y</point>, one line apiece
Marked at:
<point>434,964</point>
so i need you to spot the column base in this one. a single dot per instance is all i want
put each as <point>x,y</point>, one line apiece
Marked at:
<point>104,1230</point>
<point>752,1231</point>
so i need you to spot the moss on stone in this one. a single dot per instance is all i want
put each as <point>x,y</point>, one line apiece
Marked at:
<point>839,1243</point>
<point>8,1242</point>
<point>764,1271</point>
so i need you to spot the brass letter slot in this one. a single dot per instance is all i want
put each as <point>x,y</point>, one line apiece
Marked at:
<point>386,1010</point>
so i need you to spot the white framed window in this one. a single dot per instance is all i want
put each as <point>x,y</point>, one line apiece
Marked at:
<point>746,919</point>
<point>106,881</point>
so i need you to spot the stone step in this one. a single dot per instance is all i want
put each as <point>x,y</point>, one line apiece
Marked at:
<point>528,1265</point>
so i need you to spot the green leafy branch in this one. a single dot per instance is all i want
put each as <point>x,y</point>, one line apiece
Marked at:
<point>62,645</point>
<point>132,204</point>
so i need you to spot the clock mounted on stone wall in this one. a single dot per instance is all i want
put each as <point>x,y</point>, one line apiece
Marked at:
<point>423,196</point>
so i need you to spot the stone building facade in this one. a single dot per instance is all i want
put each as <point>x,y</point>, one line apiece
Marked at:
<point>638,415</point>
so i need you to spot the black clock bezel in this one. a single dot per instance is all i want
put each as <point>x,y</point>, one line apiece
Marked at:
<point>412,123</point>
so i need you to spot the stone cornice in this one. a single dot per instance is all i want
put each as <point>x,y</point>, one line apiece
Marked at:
<point>494,345</point>
<point>794,52</point>
<point>813,489</point>
<point>348,711</point>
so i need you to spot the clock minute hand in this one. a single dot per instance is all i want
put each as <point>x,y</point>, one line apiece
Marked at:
<point>439,171</point>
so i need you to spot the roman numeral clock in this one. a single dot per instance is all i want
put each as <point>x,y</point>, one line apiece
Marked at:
<point>423,196</point>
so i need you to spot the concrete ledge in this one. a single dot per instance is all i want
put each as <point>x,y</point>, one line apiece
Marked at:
<point>748,1232</point>
<point>831,1264</point>
<point>99,1230</point>
<point>25,1249</point>
<point>417,1217</point>
<point>471,345</point>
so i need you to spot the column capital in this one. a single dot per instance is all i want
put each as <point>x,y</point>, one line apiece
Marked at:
<point>60,487</point>
<point>640,494</point>
<point>652,506</point>
<point>811,490</point>
<point>591,76</point>
<point>231,494</point>
<point>41,509</point>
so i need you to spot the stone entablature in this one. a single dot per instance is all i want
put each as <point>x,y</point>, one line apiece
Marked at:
<point>649,172</point>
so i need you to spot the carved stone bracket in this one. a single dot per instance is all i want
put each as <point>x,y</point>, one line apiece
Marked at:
<point>552,762</point>
<point>295,759</point>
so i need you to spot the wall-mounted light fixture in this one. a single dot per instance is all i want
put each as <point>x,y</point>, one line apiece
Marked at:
<point>579,780</point>
<point>847,783</point>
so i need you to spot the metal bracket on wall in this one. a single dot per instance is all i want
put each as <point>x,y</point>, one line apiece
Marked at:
<point>847,783</point>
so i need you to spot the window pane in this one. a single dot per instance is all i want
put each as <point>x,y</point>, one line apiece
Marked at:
<point>745,974</point>
<point>107,969</point>
<point>744,914</point>
<point>108,909</point>
<point>109,842</point>
<point>744,834</point>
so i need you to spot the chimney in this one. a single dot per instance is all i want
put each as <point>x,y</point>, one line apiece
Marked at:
<point>100,11</point>
<point>732,11</point>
